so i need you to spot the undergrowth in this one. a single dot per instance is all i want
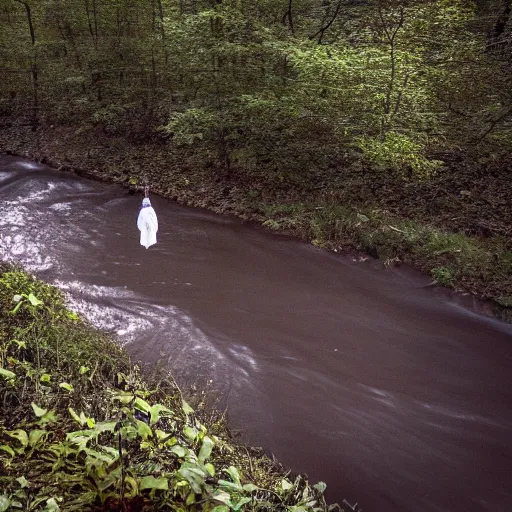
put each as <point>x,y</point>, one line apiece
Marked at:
<point>482,266</point>
<point>81,428</point>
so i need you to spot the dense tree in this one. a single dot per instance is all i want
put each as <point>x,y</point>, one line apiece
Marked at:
<point>284,87</point>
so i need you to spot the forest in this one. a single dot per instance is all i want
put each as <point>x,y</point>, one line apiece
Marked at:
<point>330,119</point>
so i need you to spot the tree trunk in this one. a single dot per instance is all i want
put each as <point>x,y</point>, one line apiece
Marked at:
<point>289,16</point>
<point>391,35</point>
<point>33,65</point>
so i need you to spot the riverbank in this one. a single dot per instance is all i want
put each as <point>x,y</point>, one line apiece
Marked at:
<point>457,235</point>
<point>82,428</point>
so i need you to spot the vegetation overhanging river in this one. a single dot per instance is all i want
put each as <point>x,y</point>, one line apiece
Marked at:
<point>394,393</point>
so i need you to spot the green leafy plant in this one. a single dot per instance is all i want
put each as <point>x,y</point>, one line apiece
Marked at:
<point>443,275</point>
<point>25,300</point>
<point>86,431</point>
<point>398,152</point>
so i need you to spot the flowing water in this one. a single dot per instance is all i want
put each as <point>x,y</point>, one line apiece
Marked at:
<point>397,395</point>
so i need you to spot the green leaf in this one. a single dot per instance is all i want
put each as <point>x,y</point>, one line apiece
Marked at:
<point>234,474</point>
<point>142,405</point>
<point>66,386</point>
<point>35,436</point>
<point>84,369</point>
<point>46,377</point>
<point>250,487</point>
<point>143,429</point>
<point>241,503</point>
<point>107,455</point>
<point>186,408</point>
<point>8,449</point>
<point>161,436</point>
<point>124,397</point>
<point>51,505</point>
<point>286,485</point>
<point>49,417</point>
<point>150,482</point>
<point>105,426</point>
<point>194,475</point>
<point>96,458</point>
<point>111,479</point>
<point>320,487</point>
<point>222,496</point>
<point>34,300</point>
<point>221,508</point>
<point>133,489</point>
<point>191,499</point>
<point>23,482</point>
<point>75,416</point>
<point>226,484</point>
<point>20,435</point>
<point>81,437</point>
<point>7,374</point>
<point>190,432</point>
<point>362,218</point>
<point>5,503</point>
<point>38,411</point>
<point>210,468</point>
<point>206,449</point>
<point>180,451</point>
<point>129,432</point>
<point>72,316</point>
<point>155,411</point>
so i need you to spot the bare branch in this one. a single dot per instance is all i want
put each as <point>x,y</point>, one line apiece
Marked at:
<point>322,30</point>
<point>29,18</point>
<point>288,14</point>
<point>502,115</point>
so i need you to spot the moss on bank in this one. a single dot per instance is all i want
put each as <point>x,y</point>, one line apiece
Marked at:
<point>82,429</point>
<point>330,213</point>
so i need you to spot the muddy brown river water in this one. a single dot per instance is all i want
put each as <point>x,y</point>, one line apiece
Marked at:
<point>396,394</point>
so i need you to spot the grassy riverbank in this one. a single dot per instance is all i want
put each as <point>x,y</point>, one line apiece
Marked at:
<point>81,428</point>
<point>456,231</point>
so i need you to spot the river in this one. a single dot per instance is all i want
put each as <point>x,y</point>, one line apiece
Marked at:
<point>395,393</point>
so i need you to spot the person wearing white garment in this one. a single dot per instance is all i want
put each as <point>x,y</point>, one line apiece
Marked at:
<point>147,224</point>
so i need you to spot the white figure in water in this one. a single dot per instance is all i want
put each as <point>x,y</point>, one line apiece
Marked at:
<point>147,224</point>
